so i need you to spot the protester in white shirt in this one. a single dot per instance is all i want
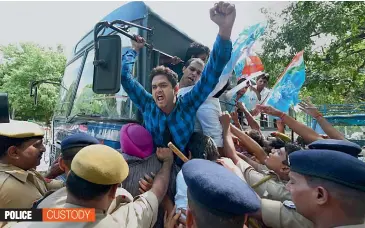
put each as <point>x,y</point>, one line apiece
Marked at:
<point>202,147</point>
<point>207,116</point>
<point>256,95</point>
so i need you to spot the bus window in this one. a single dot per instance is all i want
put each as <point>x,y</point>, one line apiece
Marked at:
<point>69,84</point>
<point>113,106</point>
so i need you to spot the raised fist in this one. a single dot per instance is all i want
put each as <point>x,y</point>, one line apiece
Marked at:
<point>223,14</point>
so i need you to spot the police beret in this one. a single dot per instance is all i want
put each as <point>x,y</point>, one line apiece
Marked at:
<point>331,165</point>
<point>78,140</point>
<point>21,129</point>
<point>218,189</point>
<point>100,164</point>
<point>338,145</point>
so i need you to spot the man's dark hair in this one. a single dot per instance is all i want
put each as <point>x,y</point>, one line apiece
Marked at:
<point>83,189</point>
<point>256,136</point>
<point>277,143</point>
<point>263,76</point>
<point>290,148</point>
<point>69,154</point>
<point>162,70</point>
<point>300,141</point>
<point>195,49</point>
<point>204,218</point>
<point>187,63</point>
<point>202,146</point>
<point>6,143</point>
<point>351,201</point>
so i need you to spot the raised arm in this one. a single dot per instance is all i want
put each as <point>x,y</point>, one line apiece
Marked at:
<point>229,149</point>
<point>308,134</point>
<point>139,96</point>
<point>161,181</point>
<point>310,109</point>
<point>250,120</point>
<point>256,92</point>
<point>250,144</point>
<point>223,14</point>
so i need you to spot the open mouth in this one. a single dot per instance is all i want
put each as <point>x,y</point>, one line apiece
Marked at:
<point>191,79</point>
<point>160,98</point>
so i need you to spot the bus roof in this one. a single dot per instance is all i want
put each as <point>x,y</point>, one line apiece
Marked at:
<point>128,12</point>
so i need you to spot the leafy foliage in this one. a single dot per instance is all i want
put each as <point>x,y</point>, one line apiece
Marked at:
<point>336,70</point>
<point>24,63</point>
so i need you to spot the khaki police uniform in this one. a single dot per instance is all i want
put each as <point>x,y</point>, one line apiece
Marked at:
<point>276,215</point>
<point>267,186</point>
<point>20,188</point>
<point>102,165</point>
<point>262,168</point>
<point>140,213</point>
<point>58,199</point>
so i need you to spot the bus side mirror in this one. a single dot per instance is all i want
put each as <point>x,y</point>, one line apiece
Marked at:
<point>4,108</point>
<point>107,65</point>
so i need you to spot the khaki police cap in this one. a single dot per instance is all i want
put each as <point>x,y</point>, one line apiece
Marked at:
<point>100,164</point>
<point>20,129</point>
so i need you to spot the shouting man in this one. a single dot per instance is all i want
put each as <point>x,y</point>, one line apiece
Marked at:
<point>166,117</point>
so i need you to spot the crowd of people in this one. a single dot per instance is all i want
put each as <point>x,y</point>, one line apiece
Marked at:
<point>232,177</point>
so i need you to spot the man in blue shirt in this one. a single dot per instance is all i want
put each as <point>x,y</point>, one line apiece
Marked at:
<point>166,117</point>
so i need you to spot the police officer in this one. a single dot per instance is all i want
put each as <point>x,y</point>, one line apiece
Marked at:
<point>339,145</point>
<point>277,214</point>
<point>21,149</point>
<point>100,169</point>
<point>70,146</point>
<point>216,196</point>
<point>328,187</point>
<point>270,185</point>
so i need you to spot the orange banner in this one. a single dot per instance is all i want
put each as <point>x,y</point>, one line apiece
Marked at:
<point>68,215</point>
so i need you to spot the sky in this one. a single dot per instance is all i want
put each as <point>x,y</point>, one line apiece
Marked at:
<point>52,23</point>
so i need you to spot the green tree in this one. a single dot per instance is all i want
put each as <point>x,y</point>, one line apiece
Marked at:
<point>335,71</point>
<point>26,62</point>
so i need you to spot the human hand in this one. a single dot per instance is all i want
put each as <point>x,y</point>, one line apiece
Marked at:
<point>55,169</point>
<point>234,116</point>
<point>225,120</point>
<point>307,107</point>
<point>145,183</point>
<point>165,154</point>
<point>255,112</point>
<point>268,110</point>
<point>241,106</point>
<point>224,15</point>
<point>226,163</point>
<point>175,60</point>
<point>182,219</point>
<point>139,43</point>
<point>171,219</point>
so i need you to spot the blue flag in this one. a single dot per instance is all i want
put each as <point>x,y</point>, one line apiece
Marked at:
<point>244,43</point>
<point>286,91</point>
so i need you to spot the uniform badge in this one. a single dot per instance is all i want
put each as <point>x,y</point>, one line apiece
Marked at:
<point>289,204</point>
